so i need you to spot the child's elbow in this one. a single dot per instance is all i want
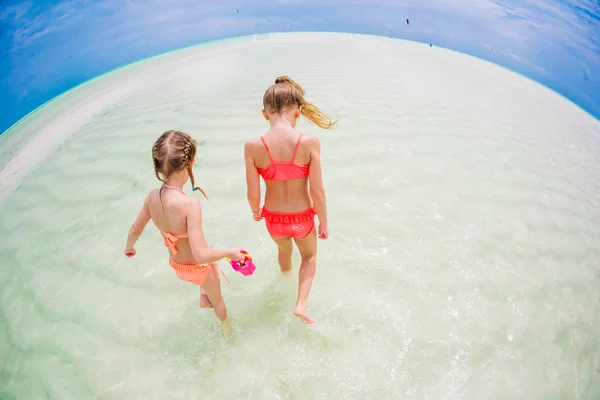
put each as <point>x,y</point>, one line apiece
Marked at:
<point>317,192</point>
<point>198,256</point>
<point>253,195</point>
<point>134,231</point>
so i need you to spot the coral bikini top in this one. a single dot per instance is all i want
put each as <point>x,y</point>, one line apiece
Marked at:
<point>283,170</point>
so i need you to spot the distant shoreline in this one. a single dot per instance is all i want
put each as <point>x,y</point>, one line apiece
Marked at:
<point>67,113</point>
<point>250,36</point>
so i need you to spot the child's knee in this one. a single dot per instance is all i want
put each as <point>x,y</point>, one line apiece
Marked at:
<point>219,304</point>
<point>216,298</point>
<point>309,258</point>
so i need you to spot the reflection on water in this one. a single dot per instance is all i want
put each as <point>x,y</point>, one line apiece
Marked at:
<point>462,263</point>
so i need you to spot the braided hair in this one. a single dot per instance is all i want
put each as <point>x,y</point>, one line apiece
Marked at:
<point>174,151</point>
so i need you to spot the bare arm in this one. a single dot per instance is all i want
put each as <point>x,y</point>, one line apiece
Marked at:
<point>252,180</point>
<point>202,252</point>
<point>137,227</point>
<point>317,190</point>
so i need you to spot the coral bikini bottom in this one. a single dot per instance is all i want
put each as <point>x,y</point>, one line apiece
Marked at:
<point>195,273</point>
<point>296,225</point>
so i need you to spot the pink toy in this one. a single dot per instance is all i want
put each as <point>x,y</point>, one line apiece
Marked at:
<point>245,266</point>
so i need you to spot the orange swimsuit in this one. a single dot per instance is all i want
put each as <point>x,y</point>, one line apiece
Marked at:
<point>194,273</point>
<point>297,225</point>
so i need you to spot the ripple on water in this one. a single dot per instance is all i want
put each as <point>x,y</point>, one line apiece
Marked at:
<point>463,257</point>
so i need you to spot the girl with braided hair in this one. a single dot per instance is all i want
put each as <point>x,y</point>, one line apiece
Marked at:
<point>290,164</point>
<point>178,217</point>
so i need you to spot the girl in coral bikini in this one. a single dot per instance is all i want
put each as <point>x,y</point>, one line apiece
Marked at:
<point>290,164</point>
<point>178,217</point>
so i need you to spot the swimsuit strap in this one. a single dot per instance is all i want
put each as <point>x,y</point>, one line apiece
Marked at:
<point>223,273</point>
<point>267,147</point>
<point>170,240</point>
<point>165,186</point>
<point>296,148</point>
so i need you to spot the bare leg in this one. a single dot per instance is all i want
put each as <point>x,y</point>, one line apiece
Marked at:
<point>204,301</point>
<point>308,251</point>
<point>284,257</point>
<point>212,288</point>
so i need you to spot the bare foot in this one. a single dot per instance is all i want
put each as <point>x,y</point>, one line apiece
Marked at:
<point>301,313</point>
<point>205,302</point>
<point>286,272</point>
<point>226,327</point>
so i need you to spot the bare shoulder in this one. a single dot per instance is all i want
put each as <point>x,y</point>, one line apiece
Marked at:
<point>193,204</point>
<point>251,146</point>
<point>192,201</point>
<point>252,143</point>
<point>311,141</point>
<point>154,193</point>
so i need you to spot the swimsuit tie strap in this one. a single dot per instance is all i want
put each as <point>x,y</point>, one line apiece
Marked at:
<point>170,241</point>
<point>223,273</point>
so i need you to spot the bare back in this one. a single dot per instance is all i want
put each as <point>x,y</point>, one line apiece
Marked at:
<point>171,216</point>
<point>285,195</point>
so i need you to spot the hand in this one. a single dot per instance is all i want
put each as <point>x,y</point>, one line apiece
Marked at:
<point>323,232</point>
<point>235,254</point>
<point>129,251</point>
<point>257,215</point>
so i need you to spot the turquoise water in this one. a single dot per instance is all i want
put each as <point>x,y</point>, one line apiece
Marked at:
<point>463,261</point>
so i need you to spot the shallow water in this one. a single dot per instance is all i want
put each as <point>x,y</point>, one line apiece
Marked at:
<point>463,261</point>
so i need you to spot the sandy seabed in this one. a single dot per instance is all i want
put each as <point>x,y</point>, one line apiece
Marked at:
<point>464,257</point>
